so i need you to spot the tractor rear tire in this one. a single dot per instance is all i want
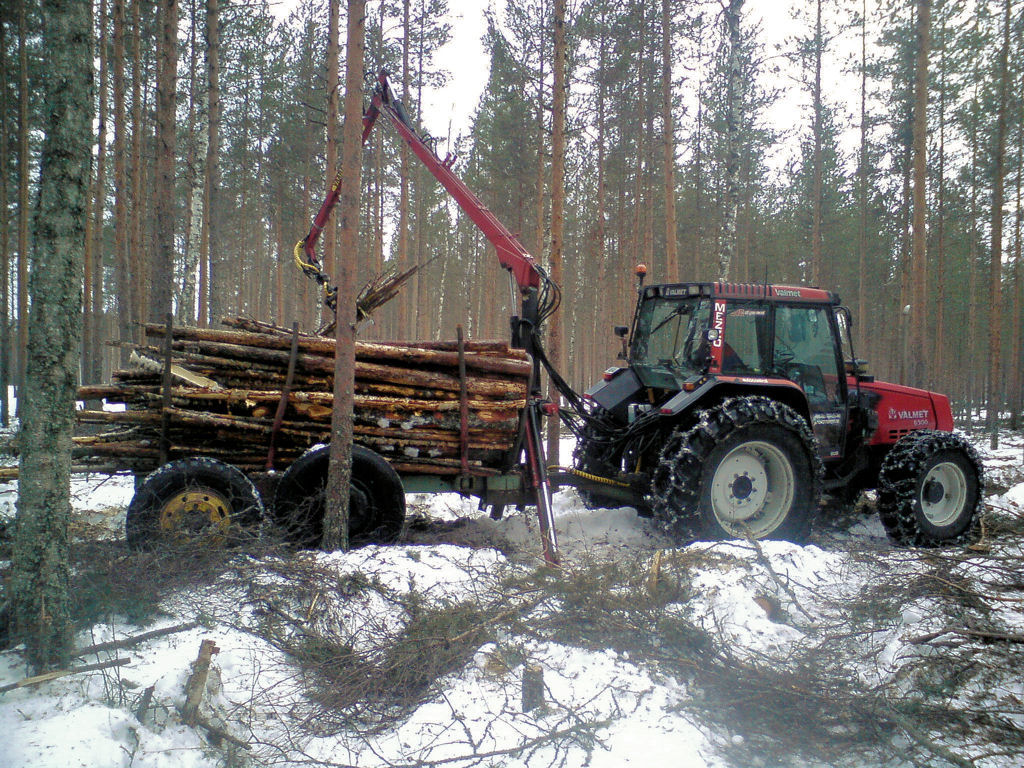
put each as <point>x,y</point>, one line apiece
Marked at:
<point>930,489</point>
<point>748,468</point>
<point>193,502</point>
<point>376,499</point>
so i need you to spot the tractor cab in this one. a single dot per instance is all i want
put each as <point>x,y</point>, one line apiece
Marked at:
<point>691,338</point>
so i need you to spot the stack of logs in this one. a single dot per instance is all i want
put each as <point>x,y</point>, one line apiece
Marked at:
<point>221,394</point>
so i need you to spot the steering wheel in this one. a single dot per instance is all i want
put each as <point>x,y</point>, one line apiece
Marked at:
<point>784,355</point>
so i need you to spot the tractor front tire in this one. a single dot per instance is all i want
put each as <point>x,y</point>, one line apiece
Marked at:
<point>930,489</point>
<point>376,499</point>
<point>748,468</point>
<point>193,502</point>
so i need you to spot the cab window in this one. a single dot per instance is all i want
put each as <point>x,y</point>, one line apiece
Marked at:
<point>746,343</point>
<point>804,351</point>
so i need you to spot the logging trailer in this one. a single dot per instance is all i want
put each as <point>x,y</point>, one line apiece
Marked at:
<point>733,409</point>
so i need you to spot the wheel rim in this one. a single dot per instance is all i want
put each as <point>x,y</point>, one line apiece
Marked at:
<point>198,513</point>
<point>753,489</point>
<point>943,493</point>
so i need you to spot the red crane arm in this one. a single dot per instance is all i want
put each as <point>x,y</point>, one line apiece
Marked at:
<point>512,255</point>
<point>308,243</point>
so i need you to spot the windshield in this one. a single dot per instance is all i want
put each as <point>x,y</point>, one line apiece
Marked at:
<point>669,335</point>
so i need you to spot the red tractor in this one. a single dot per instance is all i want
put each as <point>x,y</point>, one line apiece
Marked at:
<point>737,407</point>
<point>740,403</point>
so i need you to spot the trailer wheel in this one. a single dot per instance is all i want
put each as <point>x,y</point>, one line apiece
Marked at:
<point>376,499</point>
<point>930,488</point>
<point>748,467</point>
<point>197,501</point>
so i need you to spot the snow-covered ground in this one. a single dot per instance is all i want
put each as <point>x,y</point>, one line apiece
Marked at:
<point>843,651</point>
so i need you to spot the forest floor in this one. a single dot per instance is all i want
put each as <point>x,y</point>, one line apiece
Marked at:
<point>845,651</point>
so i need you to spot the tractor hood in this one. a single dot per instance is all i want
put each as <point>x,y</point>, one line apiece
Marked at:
<point>902,410</point>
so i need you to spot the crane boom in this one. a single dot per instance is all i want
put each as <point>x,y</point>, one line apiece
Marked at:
<point>512,255</point>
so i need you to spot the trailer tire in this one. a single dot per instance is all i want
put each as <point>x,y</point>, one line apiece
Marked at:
<point>748,467</point>
<point>196,501</point>
<point>376,499</point>
<point>930,489</point>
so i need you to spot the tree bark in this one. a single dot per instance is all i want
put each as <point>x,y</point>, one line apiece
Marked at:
<point>917,364</point>
<point>213,293</point>
<point>333,86</point>
<point>404,324</point>
<point>555,331</point>
<point>5,242</point>
<point>195,198</point>
<point>816,193</point>
<point>139,264</point>
<point>994,400</point>
<point>162,276</point>
<point>939,373</point>
<point>92,365</point>
<point>340,462</point>
<point>122,271</point>
<point>40,570</point>
<point>23,207</point>
<point>668,144</point>
<point>727,250</point>
<point>862,186</point>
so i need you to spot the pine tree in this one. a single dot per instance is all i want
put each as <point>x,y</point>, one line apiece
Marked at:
<point>40,572</point>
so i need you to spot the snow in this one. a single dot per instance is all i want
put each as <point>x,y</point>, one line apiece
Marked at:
<point>774,603</point>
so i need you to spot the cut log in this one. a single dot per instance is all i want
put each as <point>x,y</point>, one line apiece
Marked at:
<point>407,400</point>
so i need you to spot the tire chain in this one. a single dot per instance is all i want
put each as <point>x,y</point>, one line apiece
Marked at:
<point>897,484</point>
<point>675,485</point>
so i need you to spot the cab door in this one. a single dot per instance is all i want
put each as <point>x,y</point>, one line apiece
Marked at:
<point>804,351</point>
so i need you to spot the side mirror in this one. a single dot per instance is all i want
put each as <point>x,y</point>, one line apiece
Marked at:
<point>622,331</point>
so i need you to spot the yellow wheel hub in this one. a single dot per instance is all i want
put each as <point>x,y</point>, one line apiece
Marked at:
<point>196,513</point>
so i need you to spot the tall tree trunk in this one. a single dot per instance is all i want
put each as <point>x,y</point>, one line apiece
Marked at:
<point>1017,316</point>
<point>333,12</point>
<point>23,209</point>
<point>973,362</point>
<point>862,186</point>
<point>994,399</point>
<point>939,374</point>
<point>816,193</point>
<point>600,227</point>
<point>918,371</point>
<point>555,332</point>
<point>93,370</point>
<point>139,264</point>
<point>5,243</point>
<point>406,304</point>
<point>122,270</point>
<point>539,210</point>
<point>668,144</point>
<point>727,249</point>
<point>420,282</point>
<point>195,177</point>
<point>162,276</point>
<point>40,571</point>
<point>340,467</point>
<point>216,287</point>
